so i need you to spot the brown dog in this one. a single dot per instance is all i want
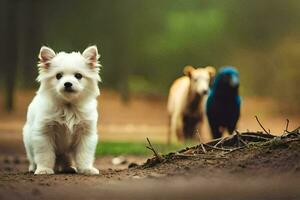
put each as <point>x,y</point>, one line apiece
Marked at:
<point>185,99</point>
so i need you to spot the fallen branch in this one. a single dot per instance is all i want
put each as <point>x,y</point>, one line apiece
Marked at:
<point>225,145</point>
<point>198,155</point>
<point>232,150</point>
<point>216,148</point>
<point>219,142</point>
<point>287,132</point>
<point>240,139</point>
<point>258,138</point>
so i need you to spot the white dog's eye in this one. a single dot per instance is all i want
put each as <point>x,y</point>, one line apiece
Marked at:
<point>59,76</point>
<point>78,76</point>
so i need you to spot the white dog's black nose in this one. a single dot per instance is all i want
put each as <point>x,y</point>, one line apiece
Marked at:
<point>68,85</point>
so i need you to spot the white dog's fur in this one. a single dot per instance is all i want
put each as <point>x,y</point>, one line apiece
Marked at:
<point>61,124</point>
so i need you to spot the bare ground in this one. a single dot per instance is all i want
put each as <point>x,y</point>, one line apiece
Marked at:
<point>268,170</point>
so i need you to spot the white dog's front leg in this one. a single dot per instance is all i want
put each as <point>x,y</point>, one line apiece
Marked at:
<point>44,155</point>
<point>85,154</point>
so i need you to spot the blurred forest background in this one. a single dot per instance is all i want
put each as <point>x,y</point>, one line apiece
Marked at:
<point>144,44</point>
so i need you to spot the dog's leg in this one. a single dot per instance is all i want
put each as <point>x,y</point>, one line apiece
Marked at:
<point>85,154</point>
<point>179,128</point>
<point>32,165</point>
<point>28,148</point>
<point>169,133</point>
<point>44,154</point>
<point>176,126</point>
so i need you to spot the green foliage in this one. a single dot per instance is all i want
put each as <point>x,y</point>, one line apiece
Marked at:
<point>139,84</point>
<point>115,148</point>
<point>145,44</point>
<point>186,29</point>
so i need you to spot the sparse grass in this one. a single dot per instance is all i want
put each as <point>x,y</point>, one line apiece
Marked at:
<point>115,148</point>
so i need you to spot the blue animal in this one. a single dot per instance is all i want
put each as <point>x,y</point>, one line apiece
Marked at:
<point>223,103</point>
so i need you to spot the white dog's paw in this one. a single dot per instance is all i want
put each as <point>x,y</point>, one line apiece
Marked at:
<point>31,168</point>
<point>88,171</point>
<point>43,170</point>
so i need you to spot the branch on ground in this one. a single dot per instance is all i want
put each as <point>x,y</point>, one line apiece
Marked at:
<point>150,147</point>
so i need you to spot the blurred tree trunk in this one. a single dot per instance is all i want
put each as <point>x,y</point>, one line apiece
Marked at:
<point>31,39</point>
<point>10,52</point>
<point>120,19</point>
<point>2,20</point>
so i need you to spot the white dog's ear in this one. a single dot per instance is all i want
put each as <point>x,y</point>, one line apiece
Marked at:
<point>92,56</point>
<point>45,56</point>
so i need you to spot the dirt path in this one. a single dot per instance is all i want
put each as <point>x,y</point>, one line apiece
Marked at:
<point>259,172</point>
<point>221,187</point>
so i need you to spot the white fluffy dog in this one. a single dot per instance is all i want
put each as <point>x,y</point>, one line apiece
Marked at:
<point>61,124</point>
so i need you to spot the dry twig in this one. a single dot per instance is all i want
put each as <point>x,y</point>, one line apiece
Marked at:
<point>232,150</point>
<point>202,146</point>
<point>216,148</point>
<point>296,130</point>
<point>199,155</point>
<point>262,125</point>
<point>225,145</point>
<point>239,138</point>
<point>153,150</point>
<point>287,125</point>
<point>219,142</point>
